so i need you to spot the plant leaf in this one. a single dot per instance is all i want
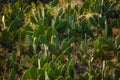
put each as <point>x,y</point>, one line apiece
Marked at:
<point>33,20</point>
<point>26,75</point>
<point>60,11</point>
<point>28,58</point>
<point>33,72</point>
<point>52,65</point>
<point>51,74</point>
<point>117,42</point>
<point>118,56</point>
<point>27,9</point>
<point>93,22</point>
<point>29,39</point>
<point>63,70</point>
<point>43,39</point>
<point>14,56</point>
<point>14,25</point>
<point>101,21</point>
<point>71,40</point>
<point>96,44</point>
<point>68,51</point>
<point>60,58</point>
<point>13,73</point>
<point>70,68</point>
<point>79,55</point>
<point>54,3</point>
<point>60,78</point>
<point>64,45</point>
<point>84,47</point>
<point>62,26</point>
<point>117,73</point>
<point>86,4</point>
<point>35,61</point>
<point>41,74</point>
<point>52,48</point>
<point>54,40</point>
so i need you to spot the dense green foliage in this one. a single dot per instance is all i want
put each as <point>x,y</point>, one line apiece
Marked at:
<point>41,44</point>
